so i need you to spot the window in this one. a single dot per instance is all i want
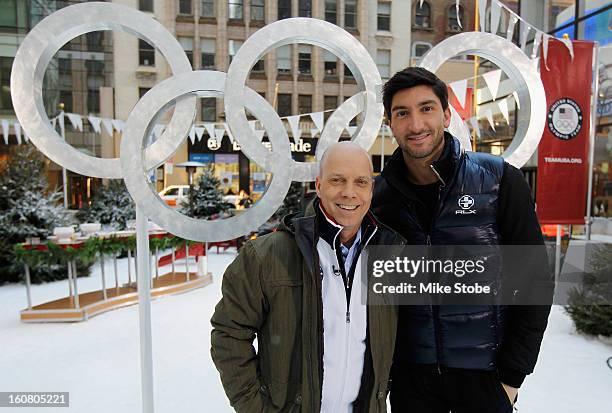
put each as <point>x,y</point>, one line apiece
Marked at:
<point>453,24</point>
<point>304,54</point>
<point>304,104</point>
<point>94,83</point>
<point>142,91</point>
<point>235,9</point>
<point>284,105</point>
<point>383,61</point>
<point>66,99</point>
<point>207,8</point>
<point>283,59</point>
<point>384,16</point>
<point>65,73</point>
<point>258,10</point>
<point>95,41</point>
<point>331,11</point>
<point>350,14</point>
<point>259,66</point>
<point>347,72</point>
<point>146,53</point>
<point>209,109</point>
<point>207,49</point>
<point>94,67</point>
<point>305,8</point>
<point>329,104</point>
<point>419,49</point>
<point>14,16</point>
<point>5,80</point>
<point>184,6</point>
<point>187,45</point>
<point>284,9</point>
<point>422,15</point>
<point>145,5</point>
<point>234,45</point>
<point>331,64</point>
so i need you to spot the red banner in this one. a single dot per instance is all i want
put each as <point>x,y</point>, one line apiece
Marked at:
<point>464,111</point>
<point>563,151</point>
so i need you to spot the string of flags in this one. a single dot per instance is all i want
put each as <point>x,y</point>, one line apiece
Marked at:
<point>502,15</point>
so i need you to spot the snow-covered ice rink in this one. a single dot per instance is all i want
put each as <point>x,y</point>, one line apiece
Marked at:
<point>97,361</point>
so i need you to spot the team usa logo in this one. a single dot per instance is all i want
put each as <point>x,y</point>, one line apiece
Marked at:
<point>564,119</point>
<point>465,203</point>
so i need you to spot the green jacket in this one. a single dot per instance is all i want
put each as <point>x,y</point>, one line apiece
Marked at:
<point>271,292</point>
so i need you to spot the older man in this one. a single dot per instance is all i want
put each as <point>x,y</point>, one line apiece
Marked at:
<point>297,290</point>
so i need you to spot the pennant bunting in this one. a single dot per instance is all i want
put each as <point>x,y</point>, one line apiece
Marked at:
<point>260,134</point>
<point>492,79</point>
<point>482,15</point>
<point>76,121</point>
<point>108,126</point>
<point>516,100</point>
<point>314,132</point>
<point>511,24</point>
<point>503,108</point>
<point>210,129</point>
<point>495,15</point>
<point>95,123</point>
<point>5,131</point>
<point>459,88</point>
<point>489,115</point>
<point>17,128</point>
<point>62,123</point>
<point>525,36</point>
<point>219,134</point>
<point>294,124</point>
<point>118,124</point>
<point>317,119</point>
<point>545,39</point>
<point>192,135</point>
<point>474,122</point>
<point>199,132</point>
<point>536,44</point>
<point>351,130</point>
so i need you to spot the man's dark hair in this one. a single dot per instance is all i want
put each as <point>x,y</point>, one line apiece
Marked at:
<point>411,77</point>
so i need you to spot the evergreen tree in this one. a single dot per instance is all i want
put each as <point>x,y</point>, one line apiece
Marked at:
<point>26,210</point>
<point>292,202</point>
<point>590,305</point>
<point>204,199</point>
<point>112,205</point>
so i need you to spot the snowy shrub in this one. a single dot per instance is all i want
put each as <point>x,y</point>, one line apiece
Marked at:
<point>112,205</point>
<point>205,199</point>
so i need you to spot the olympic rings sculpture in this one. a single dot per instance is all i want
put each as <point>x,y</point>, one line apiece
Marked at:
<point>48,36</point>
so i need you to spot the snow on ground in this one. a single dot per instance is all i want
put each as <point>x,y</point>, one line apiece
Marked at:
<point>97,361</point>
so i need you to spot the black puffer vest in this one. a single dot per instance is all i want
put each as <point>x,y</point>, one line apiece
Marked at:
<point>454,336</point>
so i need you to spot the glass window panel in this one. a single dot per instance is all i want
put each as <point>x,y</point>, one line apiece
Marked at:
<point>235,9</point>
<point>207,8</point>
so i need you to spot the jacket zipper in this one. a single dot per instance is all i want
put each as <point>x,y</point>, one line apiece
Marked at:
<point>434,308</point>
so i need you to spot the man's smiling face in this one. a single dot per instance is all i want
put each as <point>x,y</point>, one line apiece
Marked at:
<point>345,185</point>
<point>418,121</point>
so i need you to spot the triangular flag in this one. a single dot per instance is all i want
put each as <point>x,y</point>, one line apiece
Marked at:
<point>76,121</point>
<point>474,122</point>
<point>503,108</point>
<point>545,38</point>
<point>511,24</point>
<point>492,79</point>
<point>570,46</point>
<point>95,123</point>
<point>294,124</point>
<point>118,124</point>
<point>482,14</point>
<point>351,130</point>
<point>536,44</point>
<point>210,129</point>
<point>314,132</point>
<point>62,124</point>
<point>199,132</point>
<point>108,126</point>
<point>192,135</point>
<point>54,122</point>
<point>219,134</point>
<point>516,100</point>
<point>495,15</point>
<point>420,4</point>
<point>489,115</point>
<point>317,119</point>
<point>260,134</point>
<point>457,13</point>
<point>459,89</point>
<point>5,130</point>
<point>17,128</point>
<point>252,125</point>
<point>524,36</point>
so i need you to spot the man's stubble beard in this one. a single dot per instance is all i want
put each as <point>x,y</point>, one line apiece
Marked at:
<point>420,155</point>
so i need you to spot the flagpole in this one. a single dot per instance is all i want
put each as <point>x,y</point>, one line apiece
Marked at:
<point>592,132</point>
<point>475,89</point>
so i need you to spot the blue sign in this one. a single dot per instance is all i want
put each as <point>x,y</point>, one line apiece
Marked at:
<point>202,157</point>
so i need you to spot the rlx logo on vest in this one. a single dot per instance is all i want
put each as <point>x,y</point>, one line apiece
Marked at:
<point>465,202</point>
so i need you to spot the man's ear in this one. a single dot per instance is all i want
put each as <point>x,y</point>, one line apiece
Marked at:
<point>318,186</point>
<point>447,116</point>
